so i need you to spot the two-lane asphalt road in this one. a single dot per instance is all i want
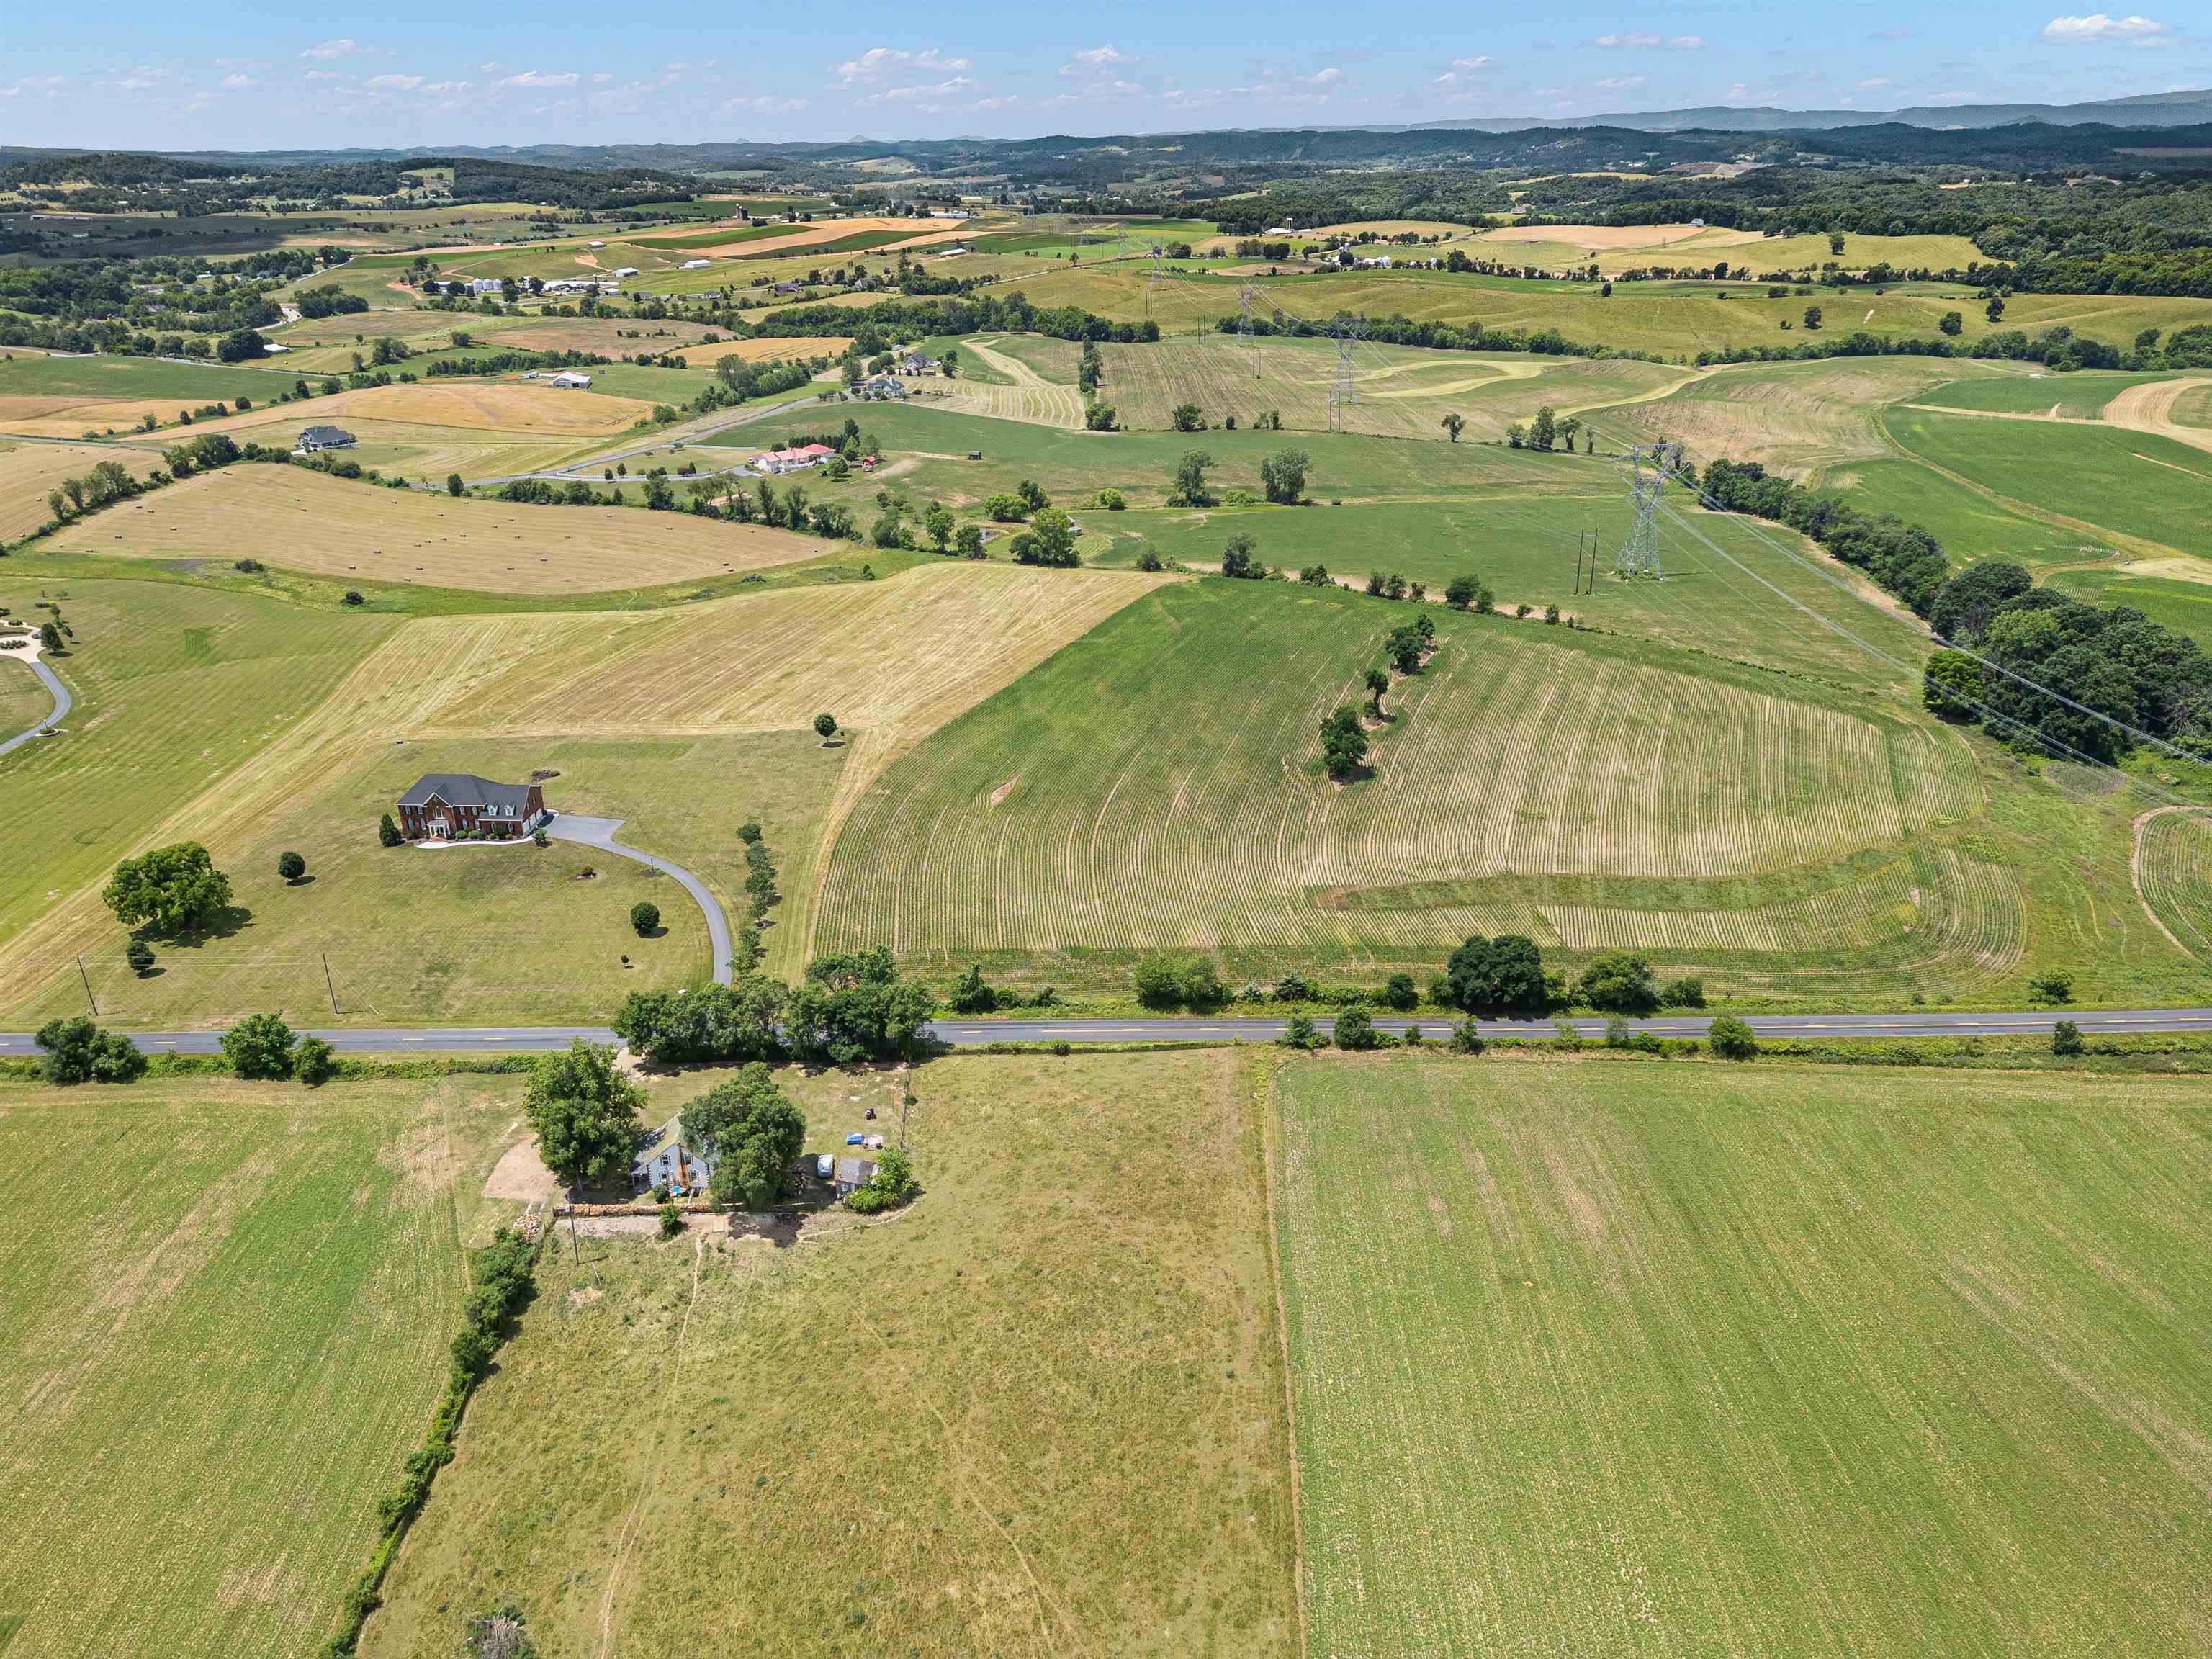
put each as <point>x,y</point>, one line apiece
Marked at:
<point>976,1033</point>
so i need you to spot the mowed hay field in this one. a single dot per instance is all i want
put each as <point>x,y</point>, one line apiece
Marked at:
<point>1793,418</point>
<point>2173,867</point>
<point>27,471</point>
<point>1586,791</point>
<point>227,1312</point>
<point>892,659</point>
<point>1039,1413</point>
<point>534,407</point>
<point>24,699</point>
<point>66,396</point>
<point>1616,248</point>
<point>299,519</point>
<point>1636,1359</point>
<point>1400,391</point>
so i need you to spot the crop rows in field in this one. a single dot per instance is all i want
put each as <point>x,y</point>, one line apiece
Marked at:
<point>2174,876</point>
<point>1611,1358</point>
<point>1074,812</point>
<point>216,1364</point>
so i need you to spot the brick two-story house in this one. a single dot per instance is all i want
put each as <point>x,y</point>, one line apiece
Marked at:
<point>444,805</point>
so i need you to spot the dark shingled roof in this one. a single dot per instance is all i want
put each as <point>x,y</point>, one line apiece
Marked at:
<point>467,789</point>
<point>326,436</point>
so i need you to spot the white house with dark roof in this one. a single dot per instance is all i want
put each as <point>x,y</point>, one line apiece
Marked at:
<point>455,805</point>
<point>668,1162</point>
<point>318,438</point>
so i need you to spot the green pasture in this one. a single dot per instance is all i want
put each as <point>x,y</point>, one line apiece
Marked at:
<point>2125,483</point>
<point>226,1326</point>
<point>1638,1358</point>
<point>2081,395</point>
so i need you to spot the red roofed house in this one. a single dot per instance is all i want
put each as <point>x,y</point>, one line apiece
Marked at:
<point>792,460</point>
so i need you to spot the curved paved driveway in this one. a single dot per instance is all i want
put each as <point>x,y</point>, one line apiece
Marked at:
<point>600,833</point>
<point>62,701</point>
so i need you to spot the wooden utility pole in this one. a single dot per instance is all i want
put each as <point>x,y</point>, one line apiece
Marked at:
<point>86,978</point>
<point>331,985</point>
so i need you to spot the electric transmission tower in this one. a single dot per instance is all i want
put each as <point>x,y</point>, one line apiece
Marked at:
<point>1345,329</point>
<point>1639,554</point>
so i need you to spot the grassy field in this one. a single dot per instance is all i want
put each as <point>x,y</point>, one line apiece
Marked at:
<point>1616,248</point>
<point>1793,418</point>
<point>2145,493</point>
<point>176,687</point>
<point>65,397</point>
<point>812,1449</point>
<point>1971,521</point>
<point>1400,391</point>
<point>302,520</point>
<point>1587,791</point>
<point>1672,319</point>
<point>226,1326</point>
<point>24,698</point>
<point>2177,593</point>
<point>1638,1360</point>
<point>2175,854</point>
<point>2078,396</point>
<point>647,706</point>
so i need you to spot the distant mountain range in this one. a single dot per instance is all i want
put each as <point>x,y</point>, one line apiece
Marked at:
<point>2157,109</point>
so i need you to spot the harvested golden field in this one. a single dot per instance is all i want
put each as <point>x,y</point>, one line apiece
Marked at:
<point>300,520</point>
<point>1600,236</point>
<point>526,406</point>
<point>63,416</point>
<point>27,471</point>
<point>796,347</point>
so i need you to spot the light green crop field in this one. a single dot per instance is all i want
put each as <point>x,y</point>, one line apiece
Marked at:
<point>2193,408</point>
<point>1588,791</point>
<point>1647,1359</point>
<point>228,1306</point>
<point>1670,318</point>
<point>2183,605</point>
<point>2077,396</point>
<point>2131,485</point>
<point>1039,1413</point>
<point>1973,523</point>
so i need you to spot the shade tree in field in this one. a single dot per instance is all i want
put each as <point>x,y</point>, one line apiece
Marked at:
<point>259,1046</point>
<point>1189,488</point>
<point>1050,541</point>
<point>1237,559</point>
<point>1187,417</point>
<point>585,1112</point>
<point>825,727</point>
<point>1618,982</point>
<point>1466,591</point>
<point>1283,475</point>
<point>291,866</point>
<point>170,889</point>
<point>645,917</point>
<point>1343,743</point>
<point>1378,682</point>
<point>750,1131</point>
<point>1452,426</point>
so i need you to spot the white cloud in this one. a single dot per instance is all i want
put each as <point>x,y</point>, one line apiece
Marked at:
<point>1672,42</point>
<point>394,82</point>
<point>1098,57</point>
<point>1329,77</point>
<point>324,52</point>
<point>688,68</point>
<point>539,78</point>
<point>1006,101</point>
<point>764,104</point>
<point>136,83</point>
<point>1482,61</point>
<point>879,63</point>
<point>1621,83</point>
<point>324,74</point>
<point>2133,29</point>
<point>944,89</point>
<point>450,86</point>
<point>1872,83</point>
<point>236,81</point>
<point>46,83</point>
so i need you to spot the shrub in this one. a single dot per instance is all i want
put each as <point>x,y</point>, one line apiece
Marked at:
<point>1505,974</point>
<point>1412,1038</point>
<point>672,1218</point>
<point>1731,1039</point>
<point>2066,1038</point>
<point>291,866</point>
<point>314,1061</point>
<point>259,1046</point>
<point>972,993</point>
<point>1466,1039</point>
<point>387,832</point>
<point>1399,994</point>
<point>1355,1030</point>
<point>1299,1032</point>
<point>1618,982</point>
<point>1294,986</point>
<point>749,831</point>
<point>1616,1032</point>
<point>1688,992</point>
<point>139,955</point>
<point>77,1051</point>
<point>2054,985</point>
<point>645,916</point>
<point>1169,981</point>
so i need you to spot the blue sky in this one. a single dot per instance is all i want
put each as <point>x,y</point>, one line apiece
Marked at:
<point>413,74</point>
